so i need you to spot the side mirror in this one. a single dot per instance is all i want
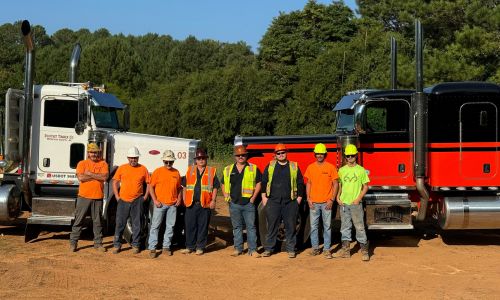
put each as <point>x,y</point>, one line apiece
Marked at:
<point>82,115</point>
<point>80,127</point>
<point>360,118</point>
<point>126,118</point>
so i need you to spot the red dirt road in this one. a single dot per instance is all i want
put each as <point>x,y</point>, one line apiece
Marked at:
<point>404,265</point>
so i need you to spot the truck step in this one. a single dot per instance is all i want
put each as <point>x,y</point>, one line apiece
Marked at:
<point>50,220</point>
<point>53,206</point>
<point>388,211</point>
<point>390,226</point>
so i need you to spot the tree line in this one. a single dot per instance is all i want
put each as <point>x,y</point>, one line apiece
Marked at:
<point>306,61</point>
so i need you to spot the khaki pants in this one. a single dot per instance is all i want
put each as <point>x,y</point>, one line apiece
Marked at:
<point>82,207</point>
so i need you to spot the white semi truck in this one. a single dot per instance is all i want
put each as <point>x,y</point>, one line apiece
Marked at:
<point>47,129</point>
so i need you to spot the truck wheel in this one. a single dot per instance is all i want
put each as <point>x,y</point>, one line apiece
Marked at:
<point>303,227</point>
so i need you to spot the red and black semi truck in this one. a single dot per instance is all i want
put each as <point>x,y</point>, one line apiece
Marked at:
<point>430,152</point>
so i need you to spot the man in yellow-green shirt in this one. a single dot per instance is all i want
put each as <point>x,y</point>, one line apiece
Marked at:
<point>353,187</point>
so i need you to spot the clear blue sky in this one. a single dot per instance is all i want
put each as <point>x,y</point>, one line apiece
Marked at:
<point>222,20</point>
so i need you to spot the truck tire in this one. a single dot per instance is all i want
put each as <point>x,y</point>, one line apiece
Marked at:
<point>303,227</point>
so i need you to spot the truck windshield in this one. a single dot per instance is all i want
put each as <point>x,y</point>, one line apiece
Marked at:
<point>106,117</point>
<point>345,120</point>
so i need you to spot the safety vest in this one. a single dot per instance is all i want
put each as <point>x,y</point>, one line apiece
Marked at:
<point>293,178</point>
<point>247,185</point>
<point>207,184</point>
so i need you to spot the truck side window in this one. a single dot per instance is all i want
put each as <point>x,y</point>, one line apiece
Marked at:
<point>60,113</point>
<point>77,153</point>
<point>387,116</point>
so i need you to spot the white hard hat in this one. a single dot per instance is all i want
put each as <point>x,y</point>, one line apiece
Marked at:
<point>168,155</point>
<point>133,152</point>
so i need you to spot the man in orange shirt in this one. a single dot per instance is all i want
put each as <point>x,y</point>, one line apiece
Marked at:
<point>165,189</point>
<point>91,172</point>
<point>321,189</point>
<point>129,179</point>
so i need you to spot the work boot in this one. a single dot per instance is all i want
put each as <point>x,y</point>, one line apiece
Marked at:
<point>167,251</point>
<point>187,251</point>
<point>345,251</point>
<point>266,253</point>
<point>100,248</point>
<point>152,253</point>
<point>327,254</point>
<point>365,254</point>
<point>135,250</point>
<point>117,250</point>
<point>254,254</point>
<point>236,252</point>
<point>314,252</point>
<point>291,254</point>
<point>72,247</point>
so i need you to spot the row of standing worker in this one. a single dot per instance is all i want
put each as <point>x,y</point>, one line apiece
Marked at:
<point>281,187</point>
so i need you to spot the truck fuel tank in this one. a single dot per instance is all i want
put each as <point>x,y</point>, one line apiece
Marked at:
<point>474,212</point>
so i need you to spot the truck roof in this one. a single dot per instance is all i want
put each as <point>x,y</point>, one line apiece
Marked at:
<point>463,87</point>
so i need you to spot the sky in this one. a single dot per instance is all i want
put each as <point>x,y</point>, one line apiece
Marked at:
<point>222,20</point>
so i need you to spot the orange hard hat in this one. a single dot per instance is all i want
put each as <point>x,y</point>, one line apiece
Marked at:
<point>280,147</point>
<point>240,150</point>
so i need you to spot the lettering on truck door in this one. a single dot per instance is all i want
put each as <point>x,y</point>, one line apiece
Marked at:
<point>60,147</point>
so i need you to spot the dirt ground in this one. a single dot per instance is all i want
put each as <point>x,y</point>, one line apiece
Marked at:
<point>464,265</point>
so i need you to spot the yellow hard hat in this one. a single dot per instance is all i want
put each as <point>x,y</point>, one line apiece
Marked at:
<point>320,148</point>
<point>350,150</point>
<point>92,147</point>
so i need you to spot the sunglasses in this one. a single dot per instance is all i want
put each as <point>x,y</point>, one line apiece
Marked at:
<point>168,162</point>
<point>350,156</point>
<point>240,155</point>
<point>280,152</point>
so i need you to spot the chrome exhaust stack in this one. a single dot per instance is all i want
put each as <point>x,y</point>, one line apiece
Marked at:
<point>74,62</point>
<point>27,105</point>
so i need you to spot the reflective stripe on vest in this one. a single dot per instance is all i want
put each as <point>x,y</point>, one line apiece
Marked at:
<point>206,186</point>
<point>293,178</point>
<point>247,184</point>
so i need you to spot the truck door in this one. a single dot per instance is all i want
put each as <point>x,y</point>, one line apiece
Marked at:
<point>60,147</point>
<point>478,136</point>
<point>386,150</point>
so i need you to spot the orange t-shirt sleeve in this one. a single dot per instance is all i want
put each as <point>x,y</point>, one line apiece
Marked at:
<point>118,174</point>
<point>80,167</point>
<point>307,175</point>
<point>334,173</point>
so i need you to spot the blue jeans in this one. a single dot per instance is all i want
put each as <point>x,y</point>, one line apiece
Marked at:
<point>242,215</point>
<point>352,214</point>
<point>319,210</point>
<point>169,213</point>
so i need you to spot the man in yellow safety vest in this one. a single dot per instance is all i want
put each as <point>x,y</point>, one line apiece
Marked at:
<point>283,187</point>
<point>241,186</point>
